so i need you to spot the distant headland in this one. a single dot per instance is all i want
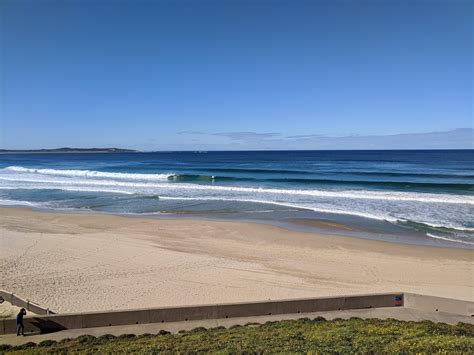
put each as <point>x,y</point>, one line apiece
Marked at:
<point>69,150</point>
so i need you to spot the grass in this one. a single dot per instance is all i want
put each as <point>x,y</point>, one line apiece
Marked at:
<point>304,335</point>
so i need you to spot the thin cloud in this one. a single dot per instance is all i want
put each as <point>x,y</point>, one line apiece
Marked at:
<point>460,138</point>
<point>304,136</point>
<point>247,136</point>
<point>191,132</point>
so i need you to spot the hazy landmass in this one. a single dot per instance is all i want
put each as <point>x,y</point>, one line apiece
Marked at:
<point>69,150</point>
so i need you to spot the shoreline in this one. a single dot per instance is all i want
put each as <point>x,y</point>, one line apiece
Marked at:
<point>86,262</point>
<point>323,224</point>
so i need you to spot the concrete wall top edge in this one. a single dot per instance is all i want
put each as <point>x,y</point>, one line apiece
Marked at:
<point>230,304</point>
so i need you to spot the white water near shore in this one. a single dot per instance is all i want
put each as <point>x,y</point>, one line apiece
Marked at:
<point>431,194</point>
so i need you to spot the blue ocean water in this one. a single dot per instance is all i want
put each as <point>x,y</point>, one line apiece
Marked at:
<point>427,193</point>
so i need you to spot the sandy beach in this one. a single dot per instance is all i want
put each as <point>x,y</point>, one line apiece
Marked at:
<point>84,262</point>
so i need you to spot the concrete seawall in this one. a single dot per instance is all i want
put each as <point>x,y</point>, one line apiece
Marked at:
<point>58,322</point>
<point>50,323</point>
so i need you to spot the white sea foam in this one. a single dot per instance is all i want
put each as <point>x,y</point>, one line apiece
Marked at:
<point>70,188</point>
<point>90,174</point>
<point>449,239</point>
<point>438,210</point>
<point>347,194</point>
<point>287,204</point>
<point>447,225</point>
<point>6,202</point>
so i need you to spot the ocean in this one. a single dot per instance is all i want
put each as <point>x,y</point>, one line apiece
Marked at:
<point>422,197</point>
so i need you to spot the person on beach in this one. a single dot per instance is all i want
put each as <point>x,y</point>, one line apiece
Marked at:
<point>19,322</point>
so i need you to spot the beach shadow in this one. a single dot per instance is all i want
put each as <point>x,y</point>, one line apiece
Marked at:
<point>46,326</point>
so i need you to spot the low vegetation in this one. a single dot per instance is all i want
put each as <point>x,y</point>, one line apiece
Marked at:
<point>304,335</point>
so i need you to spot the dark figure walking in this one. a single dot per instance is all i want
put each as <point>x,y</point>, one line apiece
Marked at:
<point>19,322</point>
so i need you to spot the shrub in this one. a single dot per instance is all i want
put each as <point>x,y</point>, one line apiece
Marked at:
<point>304,319</point>
<point>198,330</point>
<point>290,336</point>
<point>86,339</point>
<point>25,346</point>
<point>106,338</point>
<point>5,347</point>
<point>47,343</point>
<point>464,329</point>
<point>319,319</point>
<point>145,335</point>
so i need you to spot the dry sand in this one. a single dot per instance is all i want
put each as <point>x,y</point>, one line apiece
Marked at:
<point>7,310</point>
<point>79,262</point>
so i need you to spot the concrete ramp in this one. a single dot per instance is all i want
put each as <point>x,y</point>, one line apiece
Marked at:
<point>438,304</point>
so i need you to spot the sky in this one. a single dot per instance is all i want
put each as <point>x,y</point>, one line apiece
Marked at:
<point>261,74</point>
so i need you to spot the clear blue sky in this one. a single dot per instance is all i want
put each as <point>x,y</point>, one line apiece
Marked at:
<point>231,74</point>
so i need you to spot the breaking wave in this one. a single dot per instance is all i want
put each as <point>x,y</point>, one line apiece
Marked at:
<point>89,174</point>
<point>444,209</point>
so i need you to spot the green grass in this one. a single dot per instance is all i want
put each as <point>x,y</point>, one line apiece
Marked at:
<point>304,335</point>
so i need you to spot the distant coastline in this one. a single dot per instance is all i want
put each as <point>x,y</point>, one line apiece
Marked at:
<point>69,150</point>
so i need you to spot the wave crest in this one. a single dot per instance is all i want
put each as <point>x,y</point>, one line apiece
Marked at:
<point>91,174</point>
<point>448,239</point>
